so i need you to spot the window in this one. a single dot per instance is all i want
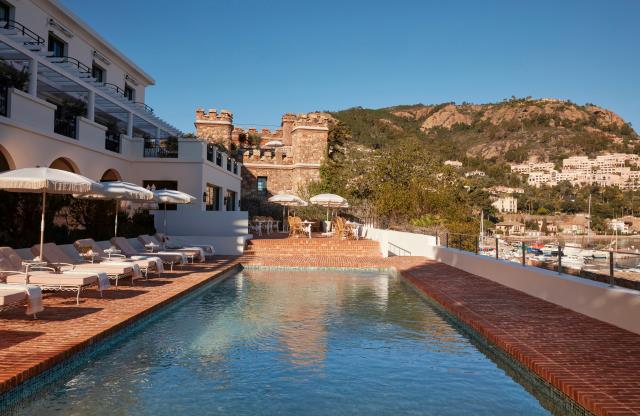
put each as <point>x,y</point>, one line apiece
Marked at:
<point>129,93</point>
<point>5,12</point>
<point>57,47</point>
<point>173,185</point>
<point>211,198</point>
<point>230,200</point>
<point>262,185</point>
<point>97,73</point>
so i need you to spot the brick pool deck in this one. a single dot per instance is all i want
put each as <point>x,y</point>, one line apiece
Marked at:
<point>595,364</point>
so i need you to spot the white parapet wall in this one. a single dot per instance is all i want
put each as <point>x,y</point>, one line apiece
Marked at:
<point>616,306</point>
<point>227,231</point>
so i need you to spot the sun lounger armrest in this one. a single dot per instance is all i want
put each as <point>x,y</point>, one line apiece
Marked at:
<point>61,265</point>
<point>41,268</point>
<point>10,272</point>
<point>113,255</point>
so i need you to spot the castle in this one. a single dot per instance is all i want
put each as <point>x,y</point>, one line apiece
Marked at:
<point>274,162</point>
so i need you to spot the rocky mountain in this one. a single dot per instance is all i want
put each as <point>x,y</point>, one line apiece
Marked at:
<point>513,130</point>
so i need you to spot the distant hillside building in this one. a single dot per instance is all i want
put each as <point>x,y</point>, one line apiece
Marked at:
<point>274,162</point>
<point>453,163</point>
<point>506,204</point>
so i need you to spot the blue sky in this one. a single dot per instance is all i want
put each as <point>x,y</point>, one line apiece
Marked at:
<point>261,59</point>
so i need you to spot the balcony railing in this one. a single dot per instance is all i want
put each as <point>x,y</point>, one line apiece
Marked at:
<point>34,38</point>
<point>161,148</point>
<point>112,142</point>
<point>73,62</point>
<point>229,164</point>
<point>235,167</point>
<point>219,159</point>
<point>65,126</point>
<point>143,106</point>
<point>4,99</point>
<point>210,152</point>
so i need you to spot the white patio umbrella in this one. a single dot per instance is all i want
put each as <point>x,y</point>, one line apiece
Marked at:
<point>329,201</point>
<point>168,196</point>
<point>119,191</point>
<point>46,181</point>
<point>287,200</point>
<point>274,143</point>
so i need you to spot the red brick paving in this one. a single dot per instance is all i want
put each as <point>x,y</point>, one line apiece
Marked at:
<point>594,363</point>
<point>28,346</point>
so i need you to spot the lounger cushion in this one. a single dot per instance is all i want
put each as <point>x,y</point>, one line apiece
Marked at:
<point>9,259</point>
<point>10,296</point>
<point>53,254</point>
<point>103,267</point>
<point>190,251</point>
<point>43,278</point>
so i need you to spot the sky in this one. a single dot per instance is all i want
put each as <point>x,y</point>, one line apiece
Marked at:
<point>261,59</point>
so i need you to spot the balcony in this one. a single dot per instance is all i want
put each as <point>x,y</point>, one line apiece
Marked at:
<point>219,159</point>
<point>65,126</point>
<point>161,148</point>
<point>211,151</point>
<point>112,142</point>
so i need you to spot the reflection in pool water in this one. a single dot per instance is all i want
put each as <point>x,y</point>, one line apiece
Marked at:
<point>293,342</point>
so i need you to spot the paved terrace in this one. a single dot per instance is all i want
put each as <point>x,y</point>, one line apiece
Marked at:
<point>596,364</point>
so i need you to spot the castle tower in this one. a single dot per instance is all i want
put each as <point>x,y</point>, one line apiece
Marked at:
<point>287,127</point>
<point>309,136</point>
<point>214,127</point>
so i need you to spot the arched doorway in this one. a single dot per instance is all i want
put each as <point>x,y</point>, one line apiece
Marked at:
<point>64,164</point>
<point>5,160</point>
<point>110,175</point>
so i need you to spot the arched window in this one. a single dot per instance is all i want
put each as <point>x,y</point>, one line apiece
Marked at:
<point>110,175</point>
<point>63,164</point>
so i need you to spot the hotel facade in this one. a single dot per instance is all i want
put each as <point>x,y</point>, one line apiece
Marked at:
<point>70,100</point>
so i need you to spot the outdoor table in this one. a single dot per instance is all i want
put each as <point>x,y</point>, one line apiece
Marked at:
<point>151,247</point>
<point>111,251</point>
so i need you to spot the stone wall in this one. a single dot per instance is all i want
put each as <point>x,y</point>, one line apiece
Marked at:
<point>287,168</point>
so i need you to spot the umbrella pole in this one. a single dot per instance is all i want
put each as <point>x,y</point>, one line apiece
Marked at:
<point>115,230</point>
<point>44,200</point>
<point>327,213</point>
<point>165,219</point>
<point>283,218</point>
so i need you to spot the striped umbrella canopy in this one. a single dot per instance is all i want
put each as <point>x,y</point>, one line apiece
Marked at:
<point>46,181</point>
<point>329,201</point>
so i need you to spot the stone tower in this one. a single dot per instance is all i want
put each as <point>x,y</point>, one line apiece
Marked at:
<point>214,127</point>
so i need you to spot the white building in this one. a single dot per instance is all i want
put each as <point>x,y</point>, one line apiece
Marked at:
<point>474,173</point>
<point>453,163</point>
<point>82,108</point>
<point>506,204</point>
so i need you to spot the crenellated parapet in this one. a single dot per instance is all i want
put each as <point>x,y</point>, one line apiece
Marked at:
<point>223,117</point>
<point>311,121</point>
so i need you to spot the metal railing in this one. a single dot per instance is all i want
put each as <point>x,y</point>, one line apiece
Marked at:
<point>36,40</point>
<point>73,62</point>
<point>614,267</point>
<point>112,142</point>
<point>161,148</point>
<point>396,250</point>
<point>143,105</point>
<point>65,126</point>
<point>4,100</point>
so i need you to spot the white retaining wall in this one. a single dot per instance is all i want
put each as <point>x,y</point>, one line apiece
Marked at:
<point>616,306</point>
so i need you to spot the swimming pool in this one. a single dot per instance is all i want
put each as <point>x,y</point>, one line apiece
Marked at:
<point>266,342</point>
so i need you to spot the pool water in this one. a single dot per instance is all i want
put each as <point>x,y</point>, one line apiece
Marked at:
<point>293,342</point>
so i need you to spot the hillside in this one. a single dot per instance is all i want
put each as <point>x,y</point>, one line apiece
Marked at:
<point>514,130</point>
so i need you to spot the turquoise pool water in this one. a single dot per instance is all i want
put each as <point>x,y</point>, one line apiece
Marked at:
<point>293,342</point>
